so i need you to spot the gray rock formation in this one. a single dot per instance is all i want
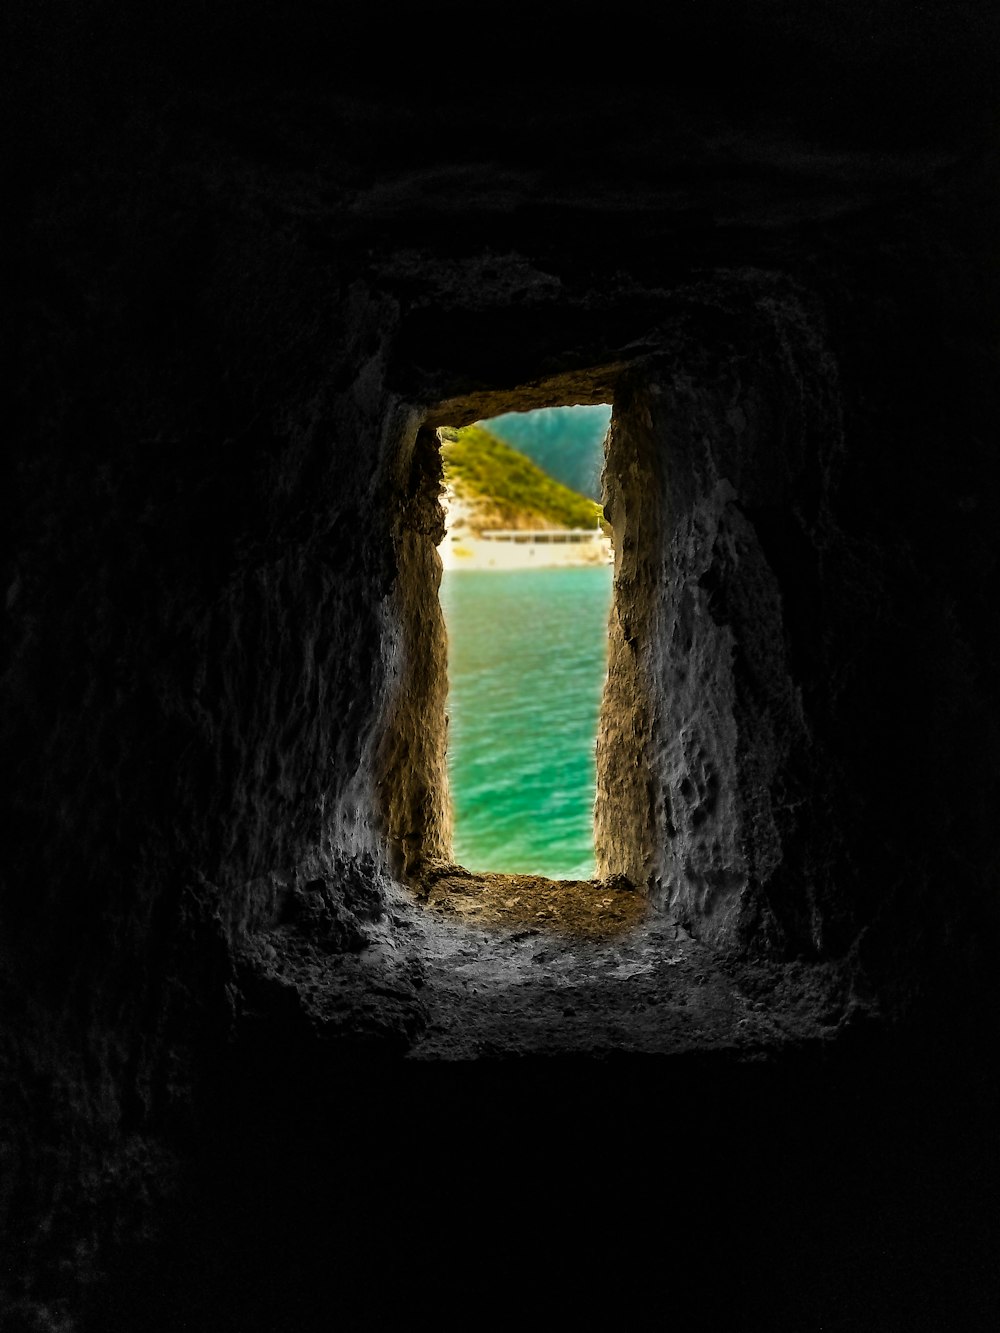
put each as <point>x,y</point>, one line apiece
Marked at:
<point>252,270</point>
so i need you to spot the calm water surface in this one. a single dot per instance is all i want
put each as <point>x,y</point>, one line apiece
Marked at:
<point>527,657</point>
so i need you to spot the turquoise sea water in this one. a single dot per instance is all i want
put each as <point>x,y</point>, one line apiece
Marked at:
<point>527,657</point>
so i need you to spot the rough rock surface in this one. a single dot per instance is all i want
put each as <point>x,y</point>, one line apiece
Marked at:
<point>252,267</point>
<point>513,976</point>
<point>720,474</point>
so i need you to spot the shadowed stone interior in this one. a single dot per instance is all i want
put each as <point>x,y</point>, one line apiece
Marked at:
<point>247,1081</point>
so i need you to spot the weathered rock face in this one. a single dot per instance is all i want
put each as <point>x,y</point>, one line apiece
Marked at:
<point>191,731</point>
<point>413,792</point>
<point>764,605</point>
<point>719,470</point>
<point>243,302</point>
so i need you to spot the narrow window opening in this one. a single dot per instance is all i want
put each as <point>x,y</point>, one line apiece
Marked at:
<point>526,592</point>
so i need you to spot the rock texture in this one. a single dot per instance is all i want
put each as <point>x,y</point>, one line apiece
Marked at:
<point>714,785</point>
<point>253,266</point>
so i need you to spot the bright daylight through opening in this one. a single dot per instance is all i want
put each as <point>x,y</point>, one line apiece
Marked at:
<point>526,591</point>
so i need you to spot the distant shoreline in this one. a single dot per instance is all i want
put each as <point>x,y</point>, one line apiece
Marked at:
<point>466,545</point>
<point>467,552</point>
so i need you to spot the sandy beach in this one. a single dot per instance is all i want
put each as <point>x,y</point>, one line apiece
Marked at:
<point>466,548</point>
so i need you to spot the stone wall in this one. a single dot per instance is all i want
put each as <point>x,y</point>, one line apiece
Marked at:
<point>201,645</point>
<point>414,801</point>
<point>242,287</point>
<point>776,714</point>
<point>718,476</point>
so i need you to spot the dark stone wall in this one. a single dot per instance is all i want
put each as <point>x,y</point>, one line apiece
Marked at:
<point>785,648</point>
<point>247,260</point>
<point>410,767</point>
<point>721,461</point>
<point>199,647</point>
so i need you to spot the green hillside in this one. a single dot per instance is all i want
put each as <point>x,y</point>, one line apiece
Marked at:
<point>565,442</point>
<point>505,488</point>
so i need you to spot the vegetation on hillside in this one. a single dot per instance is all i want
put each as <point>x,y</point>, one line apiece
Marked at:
<point>565,442</point>
<point>506,489</point>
